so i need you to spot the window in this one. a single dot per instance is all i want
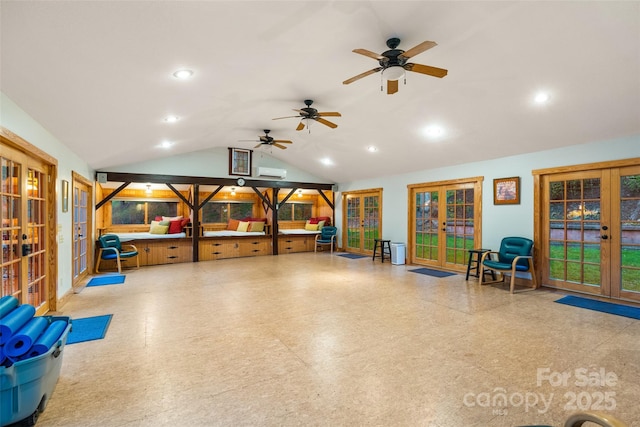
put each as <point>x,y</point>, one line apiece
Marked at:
<point>222,212</point>
<point>295,212</point>
<point>140,211</point>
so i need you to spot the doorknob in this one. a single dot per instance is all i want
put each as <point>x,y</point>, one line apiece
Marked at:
<point>604,237</point>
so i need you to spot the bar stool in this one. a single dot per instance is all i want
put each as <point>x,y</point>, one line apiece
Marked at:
<point>385,248</point>
<point>475,255</point>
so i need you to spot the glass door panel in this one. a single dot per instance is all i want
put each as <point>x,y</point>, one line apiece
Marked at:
<point>459,228</point>
<point>362,218</point>
<point>626,255</point>
<point>35,243</point>
<point>426,225</point>
<point>81,230</point>
<point>11,227</point>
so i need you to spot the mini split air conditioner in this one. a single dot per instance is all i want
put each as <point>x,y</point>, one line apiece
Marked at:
<point>272,172</point>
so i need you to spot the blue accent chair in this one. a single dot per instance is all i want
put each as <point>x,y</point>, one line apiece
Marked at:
<point>515,254</point>
<point>327,236</point>
<point>111,249</point>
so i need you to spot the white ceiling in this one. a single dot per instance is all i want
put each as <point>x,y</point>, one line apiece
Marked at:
<point>98,76</point>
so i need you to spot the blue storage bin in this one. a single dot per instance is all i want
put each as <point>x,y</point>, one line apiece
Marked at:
<point>27,385</point>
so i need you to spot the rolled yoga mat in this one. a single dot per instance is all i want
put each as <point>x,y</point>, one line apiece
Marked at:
<point>21,341</point>
<point>12,322</point>
<point>48,338</point>
<point>7,303</point>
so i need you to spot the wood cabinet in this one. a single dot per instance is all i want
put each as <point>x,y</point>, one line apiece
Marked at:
<point>291,243</point>
<point>224,247</point>
<point>165,251</point>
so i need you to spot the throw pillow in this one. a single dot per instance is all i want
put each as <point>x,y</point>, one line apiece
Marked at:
<point>159,229</point>
<point>233,224</point>
<point>314,221</point>
<point>171,218</point>
<point>256,226</point>
<point>243,226</point>
<point>311,227</point>
<point>320,224</point>
<point>175,226</point>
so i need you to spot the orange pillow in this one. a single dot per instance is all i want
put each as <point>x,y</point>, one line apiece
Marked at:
<point>233,224</point>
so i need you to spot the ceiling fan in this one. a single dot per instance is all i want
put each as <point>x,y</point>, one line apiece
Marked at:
<point>393,64</point>
<point>268,140</point>
<point>308,114</point>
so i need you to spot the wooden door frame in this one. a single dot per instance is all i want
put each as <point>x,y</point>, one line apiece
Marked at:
<point>18,143</point>
<point>76,177</point>
<point>360,193</point>
<point>538,199</point>
<point>477,181</point>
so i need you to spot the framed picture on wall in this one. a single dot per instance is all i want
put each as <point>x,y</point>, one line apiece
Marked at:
<point>506,191</point>
<point>240,161</point>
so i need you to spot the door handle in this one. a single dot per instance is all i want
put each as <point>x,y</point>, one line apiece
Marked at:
<point>604,237</point>
<point>26,249</point>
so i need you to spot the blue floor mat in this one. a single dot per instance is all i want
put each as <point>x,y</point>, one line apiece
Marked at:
<point>88,328</point>
<point>434,273</point>
<point>602,306</point>
<point>110,279</point>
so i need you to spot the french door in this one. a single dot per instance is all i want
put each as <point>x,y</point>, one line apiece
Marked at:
<point>81,228</point>
<point>591,238</point>
<point>445,222</point>
<point>24,190</point>
<point>363,219</point>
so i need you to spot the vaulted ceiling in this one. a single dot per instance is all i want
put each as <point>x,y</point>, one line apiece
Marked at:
<point>98,76</point>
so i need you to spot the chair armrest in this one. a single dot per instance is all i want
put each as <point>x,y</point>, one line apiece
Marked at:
<point>110,249</point>
<point>486,254</point>
<point>515,260</point>
<point>133,247</point>
<point>316,238</point>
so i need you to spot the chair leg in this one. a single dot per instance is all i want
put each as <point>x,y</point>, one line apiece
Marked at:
<point>533,274</point>
<point>137,262</point>
<point>119,265</point>
<point>512,285</point>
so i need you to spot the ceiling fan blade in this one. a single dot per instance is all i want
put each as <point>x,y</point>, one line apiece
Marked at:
<point>392,87</point>
<point>304,113</point>
<point>425,69</point>
<point>330,114</point>
<point>280,146</point>
<point>300,126</point>
<point>418,49</point>
<point>287,117</point>
<point>361,75</point>
<point>327,123</point>
<point>283,141</point>
<point>370,54</point>
<point>258,146</point>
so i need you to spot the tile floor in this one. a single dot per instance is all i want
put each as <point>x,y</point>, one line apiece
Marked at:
<point>321,340</point>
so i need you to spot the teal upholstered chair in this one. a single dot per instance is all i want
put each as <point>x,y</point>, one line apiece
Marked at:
<point>515,254</point>
<point>327,236</point>
<point>110,248</point>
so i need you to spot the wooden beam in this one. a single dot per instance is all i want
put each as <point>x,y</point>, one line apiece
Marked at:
<point>112,195</point>
<point>179,194</point>
<point>330,203</point>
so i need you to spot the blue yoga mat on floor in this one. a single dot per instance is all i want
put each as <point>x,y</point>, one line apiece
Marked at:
<point>88,328</point>
<point>111,279</point>
<point>353,256</point>
<point>602,306</point>
<point>434,273</point>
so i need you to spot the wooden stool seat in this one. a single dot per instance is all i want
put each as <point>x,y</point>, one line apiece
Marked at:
<point>385,248</point>
<point>475,255</point>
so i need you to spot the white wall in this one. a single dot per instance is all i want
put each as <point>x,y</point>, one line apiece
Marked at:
<point>17,121</point>
<point>497,221</point>
<point>214,163</point>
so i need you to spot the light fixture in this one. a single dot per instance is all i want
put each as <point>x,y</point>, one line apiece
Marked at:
<point>395,72</point>
<point>541,97</point>
<point>433,131</point>
<point>299,193</point>
<point>326,161</point>
<point>166,144</point>
<point>171,119</point>
<point>183,74</point>
<point>233,191</point>
<point>149,190</point>
<point>307,122</point>
<point>372,149</point>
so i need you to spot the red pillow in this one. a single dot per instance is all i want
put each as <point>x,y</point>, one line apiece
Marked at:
<point>184,222</point>
<point>175,226</point>
<point>314,221</point>
<point>233,224</point>
<point>158,218</point>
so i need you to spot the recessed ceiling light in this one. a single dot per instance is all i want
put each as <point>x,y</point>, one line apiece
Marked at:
<point>183,74</point>
<point>372,149</point>
<point>541,97</point>
<point>171,119</point>
<point>326,161</point>
<point>433,131</point>
<point>166,144</point>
